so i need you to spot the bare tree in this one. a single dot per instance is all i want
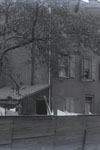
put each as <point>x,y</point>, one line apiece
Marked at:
<point>30,23</point>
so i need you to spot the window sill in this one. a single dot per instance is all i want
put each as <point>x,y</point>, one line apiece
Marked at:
<point>64,77</point>
<point>87,80</point>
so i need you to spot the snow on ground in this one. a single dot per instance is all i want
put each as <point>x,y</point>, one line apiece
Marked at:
<point>2,111</point>
<point>66,113</point>
<point>11,113</point>
<point>8,112</point>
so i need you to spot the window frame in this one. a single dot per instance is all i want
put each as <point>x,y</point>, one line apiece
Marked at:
<point>91,78</point>
<point>89,102</point>
<point>70,100</point>
<point>70,73</point>
<point>90,68</point>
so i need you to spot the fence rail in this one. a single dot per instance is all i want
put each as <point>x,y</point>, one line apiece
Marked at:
<point>50,133</point>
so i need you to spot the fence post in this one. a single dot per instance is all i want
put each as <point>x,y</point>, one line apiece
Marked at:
<point>84,139</point>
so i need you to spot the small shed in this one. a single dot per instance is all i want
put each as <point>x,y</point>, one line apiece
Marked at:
<point>33,103</point>
<point>29,101</point>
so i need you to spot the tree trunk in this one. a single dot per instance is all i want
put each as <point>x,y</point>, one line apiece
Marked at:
<point>32,64</point>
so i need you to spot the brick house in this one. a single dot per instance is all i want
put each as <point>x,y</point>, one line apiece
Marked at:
<point>77,87</point>
<point>74,89</point>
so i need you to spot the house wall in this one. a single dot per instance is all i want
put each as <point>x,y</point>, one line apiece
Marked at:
<point>76,88</point>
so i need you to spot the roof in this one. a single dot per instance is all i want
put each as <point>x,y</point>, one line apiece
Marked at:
<point>6,92</point>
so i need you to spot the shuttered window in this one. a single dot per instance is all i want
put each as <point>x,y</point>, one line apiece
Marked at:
<point>88,105</point>
<point>88,69</point>
<point>67,66</point>
<point>70,104</point>
<point>93,69</point>
<point>72,66</point>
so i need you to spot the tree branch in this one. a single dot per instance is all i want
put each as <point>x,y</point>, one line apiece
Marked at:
<point>15,47</point>
<point>35,21</point>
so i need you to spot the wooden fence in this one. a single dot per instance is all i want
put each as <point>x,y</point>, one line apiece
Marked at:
<point>50,133</point>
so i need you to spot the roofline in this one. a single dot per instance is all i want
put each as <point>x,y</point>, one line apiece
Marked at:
<point>34,92</point>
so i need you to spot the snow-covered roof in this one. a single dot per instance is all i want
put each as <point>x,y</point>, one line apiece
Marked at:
<point>24,91</point>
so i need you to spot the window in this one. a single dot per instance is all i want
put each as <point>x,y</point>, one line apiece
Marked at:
<point>67,66</point>
<point>70,106</point>
<point>88,105</point>
<point>88,69</point>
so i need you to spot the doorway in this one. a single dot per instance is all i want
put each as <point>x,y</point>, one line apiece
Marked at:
<point>41,108</point>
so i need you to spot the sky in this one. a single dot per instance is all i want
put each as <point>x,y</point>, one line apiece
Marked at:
<point>87,1</point>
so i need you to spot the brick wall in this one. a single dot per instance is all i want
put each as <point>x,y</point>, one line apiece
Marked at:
<point>76,88</point>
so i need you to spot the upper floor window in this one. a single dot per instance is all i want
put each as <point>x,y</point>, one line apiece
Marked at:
<point>88,69</point>
<point>67,66</point>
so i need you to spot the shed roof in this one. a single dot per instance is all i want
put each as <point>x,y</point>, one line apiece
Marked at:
<point>6,92</point>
